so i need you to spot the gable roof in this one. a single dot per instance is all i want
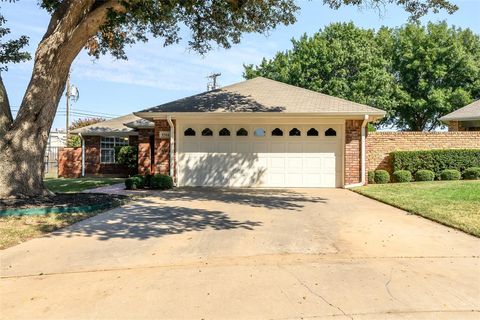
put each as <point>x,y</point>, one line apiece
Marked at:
<point>262,95</point>
<point>115,125</point>
<point>467,113</point>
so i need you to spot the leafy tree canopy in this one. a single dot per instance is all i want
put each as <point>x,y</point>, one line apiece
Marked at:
<point>415,73</point>
<point>11,49</point>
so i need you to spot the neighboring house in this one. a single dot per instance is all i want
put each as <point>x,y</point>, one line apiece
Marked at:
<point>256,133</point>
<point>56,140</point>
<point>464,119</point>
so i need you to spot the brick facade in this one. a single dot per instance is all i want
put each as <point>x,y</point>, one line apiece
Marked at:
<point>70,160</point>
<point>145,163</point>
<point>162,148</point>
<point>380,144</point>
<point>353,150</point>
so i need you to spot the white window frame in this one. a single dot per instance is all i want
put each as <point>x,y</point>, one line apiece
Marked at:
<point>117,142</point>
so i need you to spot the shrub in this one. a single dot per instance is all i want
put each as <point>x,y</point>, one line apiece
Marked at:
<point>371,177</point>
<point>472,173</point>
<point>424,175</point>
<point>161,181</point>
<point>450,174</point>
<point>140,181</point>
<point>127,156</point>
<point>130,184</point>
<point>435,160</point>
<point>402,176</point>
<point>135,182</point>
<point>148,180</point>
<point>382,176</point>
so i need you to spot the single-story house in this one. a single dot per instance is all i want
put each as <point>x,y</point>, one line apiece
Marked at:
<point>464,119</point>
<point>255,133</point>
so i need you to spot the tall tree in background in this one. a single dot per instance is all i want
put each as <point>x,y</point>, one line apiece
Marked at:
<point>416,74</point>
<point>342,60</point>
<point>437,69</point>
<point>106,26</point>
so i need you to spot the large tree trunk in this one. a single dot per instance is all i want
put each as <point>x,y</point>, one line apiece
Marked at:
<point>23,141</point>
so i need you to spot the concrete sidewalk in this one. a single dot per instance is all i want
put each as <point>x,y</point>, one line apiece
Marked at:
<point>246,254</point>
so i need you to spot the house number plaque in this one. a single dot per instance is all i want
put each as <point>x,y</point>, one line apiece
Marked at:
<point>164,134</point>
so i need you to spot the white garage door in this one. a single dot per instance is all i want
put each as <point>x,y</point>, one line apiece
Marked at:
<point>254,156</point>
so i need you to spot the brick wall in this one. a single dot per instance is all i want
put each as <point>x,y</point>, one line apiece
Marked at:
<point>144,151</point>
<point>380,144</point>
<point>353,148</point>
<point>70,160</point>
<point>162,148</point>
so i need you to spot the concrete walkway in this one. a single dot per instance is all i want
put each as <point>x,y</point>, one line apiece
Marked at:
<point>246,254</point>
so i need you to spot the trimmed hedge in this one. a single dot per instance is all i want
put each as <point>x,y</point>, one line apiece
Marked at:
<point>140,181</point>
<point>424,175</point>
<point>435,160</point>
<point>472,173</point>
<point>161,181</point>
<point>135,182</point>
<point>382,176</point>
<point>402,176</point>
<point>450,174</point>
<point>157,181</point>
<point>130,184</point>
<point>371,177</point>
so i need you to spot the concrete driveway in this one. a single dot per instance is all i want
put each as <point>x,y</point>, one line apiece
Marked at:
<point>246,254</point>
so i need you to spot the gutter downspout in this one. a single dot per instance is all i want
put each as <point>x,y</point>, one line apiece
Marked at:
<point>363,157</point>
<point>83,154</point>
<point>172,146</point>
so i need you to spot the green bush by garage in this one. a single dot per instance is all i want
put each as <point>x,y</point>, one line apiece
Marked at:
<point>402,176</point>
<point>435,160</point>
<point>424,175</point>
<point>155,182</point>
<point>381,176</point>
<point>450,174</point>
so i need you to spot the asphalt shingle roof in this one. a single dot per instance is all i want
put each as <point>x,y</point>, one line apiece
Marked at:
<point>469,112</point>
<point>115,125</point>
<point>263,95</point>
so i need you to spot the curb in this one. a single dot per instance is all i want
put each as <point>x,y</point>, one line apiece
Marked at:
<point>54,210</point>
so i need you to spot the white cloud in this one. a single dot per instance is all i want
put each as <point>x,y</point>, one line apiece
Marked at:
<point>171,68</point>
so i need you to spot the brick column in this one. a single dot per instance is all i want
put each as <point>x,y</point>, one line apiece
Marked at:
<point>162,148</point>
<point>144,159</point>
<point>92,154</point>
<point>353,149</point>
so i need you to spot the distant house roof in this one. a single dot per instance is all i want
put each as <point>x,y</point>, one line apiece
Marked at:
<point>263,95</point>
<point>115,125</point>
<point>467,113</point>
<point>140,124</point>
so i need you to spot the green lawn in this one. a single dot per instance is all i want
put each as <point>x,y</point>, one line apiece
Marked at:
<point>453,203</point>
<point>79,184</point>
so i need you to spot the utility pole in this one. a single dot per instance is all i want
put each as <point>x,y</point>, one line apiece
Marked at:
<point>213,84</point>
<point>68,105</point>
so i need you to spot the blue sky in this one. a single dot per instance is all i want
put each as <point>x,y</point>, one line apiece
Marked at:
<point>155,74</point>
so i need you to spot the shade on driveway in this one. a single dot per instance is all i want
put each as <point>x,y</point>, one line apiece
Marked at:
<point>255,254</point>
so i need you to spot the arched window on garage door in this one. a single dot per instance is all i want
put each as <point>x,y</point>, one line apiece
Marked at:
<point>207,132</point>
<point>312,132</point>
<point>277,132</point>
<point>224,132</point>
<point>242,132</point>
<point>259,132</point>
<point>189,132</point>
<point>330,133</point>
<point>295,133</point>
